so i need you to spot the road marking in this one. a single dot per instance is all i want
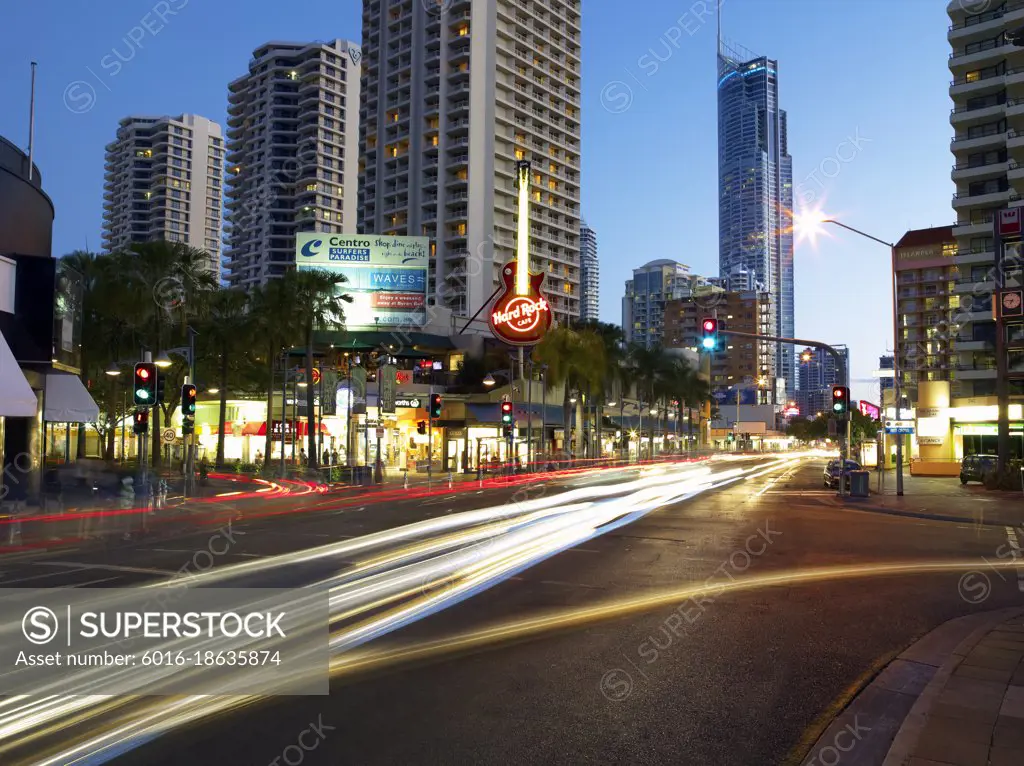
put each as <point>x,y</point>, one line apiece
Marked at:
<point>585,550</point>
<point>168,550</point>
<point>1018,556</point>
<point>79,566</point>
<point>570,584</point>
<point>40,577</point>
<point>94,582</point>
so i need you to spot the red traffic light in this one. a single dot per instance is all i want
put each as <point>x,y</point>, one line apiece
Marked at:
<point>506,406</point>
<point>142,372</point>
<point>709,325</point>
<point>837,393</point>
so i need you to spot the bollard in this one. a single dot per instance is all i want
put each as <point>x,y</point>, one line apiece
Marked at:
<point>406,478</point>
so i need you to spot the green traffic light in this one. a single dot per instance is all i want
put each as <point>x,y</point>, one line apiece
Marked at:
<point>142,393</point>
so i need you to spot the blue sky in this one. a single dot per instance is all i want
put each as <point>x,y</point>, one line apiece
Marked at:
<point>873,70</point>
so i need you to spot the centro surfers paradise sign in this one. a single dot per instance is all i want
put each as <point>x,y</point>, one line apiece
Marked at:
<point>520,315</point>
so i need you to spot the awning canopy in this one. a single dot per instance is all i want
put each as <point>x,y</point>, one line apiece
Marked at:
<point>18,400</point>
<point>67,400</point>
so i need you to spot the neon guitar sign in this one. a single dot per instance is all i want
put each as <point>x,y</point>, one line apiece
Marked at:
<point>521,315</point>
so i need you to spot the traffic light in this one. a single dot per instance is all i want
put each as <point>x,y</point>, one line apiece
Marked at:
<point>188,399</point>
<point>188,424</point>
<point>709,330</point>
<point>141,424</point>
<point>506,413</point>
<point>806,355</point>
<point>145,384</point>
<point>160,380</point>
<point>435,406</point>
<point>509,430</point>
<point>421,427</point>
<point>840,402</point>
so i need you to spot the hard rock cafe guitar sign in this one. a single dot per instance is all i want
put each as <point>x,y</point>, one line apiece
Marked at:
<point>520,315</point>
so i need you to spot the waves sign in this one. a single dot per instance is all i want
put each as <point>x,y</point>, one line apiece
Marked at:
<point>387,276</point>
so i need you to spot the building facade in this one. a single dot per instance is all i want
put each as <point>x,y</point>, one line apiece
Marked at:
<point>885,378</point>
<point>929,307</point>
<point>817,372</point>
<point>741,364</point>
<point>643,306</point>
<point>453,95</point>
<point>755,188</point>
<point>162,181</point>
<point>292,162</point>
<point>590,274</point>
<point>986,89</point>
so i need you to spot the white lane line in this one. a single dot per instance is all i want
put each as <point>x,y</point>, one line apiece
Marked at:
<point>570,584</point>
<point>1018,556</point>
<point>5,583</point>
<point>169,550</point>
<point>78,566</point>
<point>93,582</point>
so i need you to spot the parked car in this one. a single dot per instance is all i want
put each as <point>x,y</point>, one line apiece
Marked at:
<point>832,472</point>
<point>977,467</point>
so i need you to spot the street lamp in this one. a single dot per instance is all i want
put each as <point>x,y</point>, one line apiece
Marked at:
<point>895,335</point>
<point>113,370</point>
<point>163,361</point>
<point>489,380</point>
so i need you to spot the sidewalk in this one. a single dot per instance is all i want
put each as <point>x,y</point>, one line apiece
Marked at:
<point>954,698</point>
<point>972,713</point>
<point>941,499</point>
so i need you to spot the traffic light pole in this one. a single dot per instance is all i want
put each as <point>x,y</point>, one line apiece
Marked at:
<point>840,364</point>
<point>430,434</point>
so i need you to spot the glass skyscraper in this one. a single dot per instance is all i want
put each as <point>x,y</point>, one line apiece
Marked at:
<point>755,189</point>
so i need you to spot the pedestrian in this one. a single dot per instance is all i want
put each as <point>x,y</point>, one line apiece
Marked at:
<point>302,456</point>
<point>327,457</point>
<point>259,457</point>
<point>334,457</point>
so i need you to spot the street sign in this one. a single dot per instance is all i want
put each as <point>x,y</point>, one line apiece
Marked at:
<point>380,432</point>
<point>1009,222</point>
<point>899,426</point>
<point>167,436</point>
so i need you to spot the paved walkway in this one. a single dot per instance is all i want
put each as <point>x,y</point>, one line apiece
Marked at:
<point>972,713</point>
<point>954,698</point>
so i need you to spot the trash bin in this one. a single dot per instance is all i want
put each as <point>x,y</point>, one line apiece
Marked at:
<point>859,483</point>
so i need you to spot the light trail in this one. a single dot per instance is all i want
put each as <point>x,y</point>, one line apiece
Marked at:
<point>475,551</point>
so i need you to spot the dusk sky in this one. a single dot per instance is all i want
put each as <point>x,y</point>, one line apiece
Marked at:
<point>875,72</point>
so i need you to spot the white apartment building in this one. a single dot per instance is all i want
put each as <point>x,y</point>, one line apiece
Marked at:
<point>453,95</point>
<point>163,182</point>
<point>292,164</point>
<point>988,147</point>
<point>590,274</point>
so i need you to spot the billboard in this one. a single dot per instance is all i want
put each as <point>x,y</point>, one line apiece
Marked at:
<point>387,276</point>
<point>870,410</point>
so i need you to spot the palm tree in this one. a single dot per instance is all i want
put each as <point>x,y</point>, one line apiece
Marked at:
<point>320,304</point>
<point>685,386</point>
<point>273,307</point>
<point>575,359</point>
<point>228,326</point>
<point>612,343</point>
<point>648,365</point>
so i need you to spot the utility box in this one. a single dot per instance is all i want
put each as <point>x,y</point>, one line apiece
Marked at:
<point>859,483</point>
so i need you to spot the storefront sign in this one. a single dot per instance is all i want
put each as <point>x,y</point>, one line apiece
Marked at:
<point>930,440</point>
<point>1009,222</point>
<point>521,315</point>
<point>410,403</point>
<point>930,412</point>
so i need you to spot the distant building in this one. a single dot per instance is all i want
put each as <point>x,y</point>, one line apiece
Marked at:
<point>928,306</point>
<point>590,283</point>
<point>163,182</point>
<point>293,138</point>
<point>816,377</point>
<point>885,383</point>
<point>643,306</point>
<point>741,364</point>
<point>755,187</point>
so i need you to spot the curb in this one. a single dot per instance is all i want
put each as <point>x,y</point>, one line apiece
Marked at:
<point>918,515</point>
<point>886,716</point>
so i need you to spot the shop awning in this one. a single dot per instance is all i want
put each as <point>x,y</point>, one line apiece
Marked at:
<point>18,400</point>
<point>68,401</point>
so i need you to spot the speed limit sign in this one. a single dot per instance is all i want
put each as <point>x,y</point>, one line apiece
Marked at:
<point>167,436</point>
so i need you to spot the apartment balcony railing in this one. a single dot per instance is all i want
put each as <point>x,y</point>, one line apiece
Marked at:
<point>978,47</point>
<point>981,18</point>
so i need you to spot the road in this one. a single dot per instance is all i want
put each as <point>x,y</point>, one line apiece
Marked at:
<point>605,652</point>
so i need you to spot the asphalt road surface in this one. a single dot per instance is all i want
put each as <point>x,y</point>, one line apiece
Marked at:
<point>763,607</point>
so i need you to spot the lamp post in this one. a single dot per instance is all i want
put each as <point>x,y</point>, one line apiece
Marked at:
<point>896,348</point>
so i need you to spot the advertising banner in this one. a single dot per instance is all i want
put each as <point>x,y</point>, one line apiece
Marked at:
<point>388,388</point>
<point>386,276</point>
<point>358,391</point>
<point>329,386</point>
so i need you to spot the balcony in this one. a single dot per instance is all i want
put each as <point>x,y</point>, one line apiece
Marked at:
<point>972,285</point>
<point>981,24</point>
<point>976,255</point>
<point>969,343</point>
<point>990,138</point>
<point>976,370</point>
<point>965,115</point>
<point>979,53</point>
<point>983,199</point>
<point>976,84</point>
